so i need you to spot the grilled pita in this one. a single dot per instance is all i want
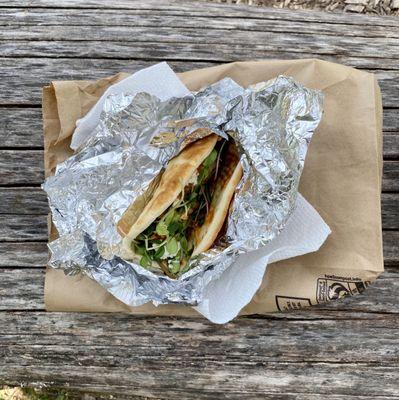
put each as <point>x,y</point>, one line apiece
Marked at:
<point>228,179</point>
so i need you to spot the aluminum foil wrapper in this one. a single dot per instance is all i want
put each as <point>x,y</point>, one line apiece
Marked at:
<point>272,123</point>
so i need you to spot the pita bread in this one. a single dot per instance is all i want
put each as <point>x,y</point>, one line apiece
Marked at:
<point>175,177</point>
<point>228,179</point>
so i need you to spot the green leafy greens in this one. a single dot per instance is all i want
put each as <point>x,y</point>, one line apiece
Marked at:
<point>168,240</point>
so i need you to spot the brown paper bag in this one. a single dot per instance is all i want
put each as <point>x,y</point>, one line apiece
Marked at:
<point>341,179</point>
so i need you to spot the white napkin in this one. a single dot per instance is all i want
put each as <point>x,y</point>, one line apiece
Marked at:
<point>158,80</point>
<point>224,298</point>
<point>305,231</point>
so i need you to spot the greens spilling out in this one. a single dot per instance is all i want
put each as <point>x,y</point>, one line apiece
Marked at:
<point>168,241</point>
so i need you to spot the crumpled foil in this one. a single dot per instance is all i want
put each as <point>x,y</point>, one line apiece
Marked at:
<point>272,123</point>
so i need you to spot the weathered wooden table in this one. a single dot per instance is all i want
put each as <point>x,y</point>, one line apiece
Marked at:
<point>344,350</point>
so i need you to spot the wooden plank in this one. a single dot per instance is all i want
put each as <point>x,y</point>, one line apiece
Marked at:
<point>390,176</point>
<point>25,254</point>
<point>21,167</point>
<point>380,297</point>
<point>245,359</point>
<point>391,146</point>
<point>23,200</point>
<point>391,247</point>
<point>25,18</point>
<point>22,289</point>
<point>266,40</point>
<point>390,210</point>
<point>391,120</point>
<point>23,227</point>
<point>27,90</point>
<point>191,9</point>
<point>199,377</point>
<point>26,168</point>
<point>21,127</point>
<point>177,51</point>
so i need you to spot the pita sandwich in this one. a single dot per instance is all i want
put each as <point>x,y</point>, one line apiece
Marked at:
<point>185,208</point>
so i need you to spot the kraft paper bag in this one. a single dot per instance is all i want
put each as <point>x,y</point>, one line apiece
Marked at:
<point>341,179</point>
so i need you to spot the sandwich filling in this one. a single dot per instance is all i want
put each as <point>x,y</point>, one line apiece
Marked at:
<point>169,241</point>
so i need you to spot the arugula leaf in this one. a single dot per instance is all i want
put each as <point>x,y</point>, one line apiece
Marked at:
<point>159,253</point>
<point>175,226</point>
<point>172,247</point>
<point>211,158</point>
<point>145,261</point>
<point>184,244</point>
<point>162,228</point>
<point>174,266</point>
<point>138,249</point>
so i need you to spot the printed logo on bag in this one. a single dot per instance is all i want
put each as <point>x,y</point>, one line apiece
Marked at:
<point>333,287</point>
<point>285,303</point>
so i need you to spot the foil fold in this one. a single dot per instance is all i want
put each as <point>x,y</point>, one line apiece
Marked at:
<point>272,123</point>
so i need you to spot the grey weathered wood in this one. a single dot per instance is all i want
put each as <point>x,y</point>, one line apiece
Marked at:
<point>25,254</point>
<point>157,32</point>
<point>391,120</point>
<point>390,210</point>
<point>21,289</point>
<point>25,18</point>
<point>21,127</point>
<point>193,9</point>
<point>26,167</point>
<point>21,167</point>
<point>391,247</point>
<point>390,176</point>
<point>23,200</point>
<point>193,359</point>
<point>27,292</point>
<point>390,146</point>
<point>23,227</point>
<point>28,92</point>
<point>175,51</point>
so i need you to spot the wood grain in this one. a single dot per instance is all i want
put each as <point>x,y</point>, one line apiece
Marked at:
<point>22,228</point>
<point>27,92</point>
<point>176,7</point>
<point>191,359</point>
<point>25,254</point>
<point>21,167</point>
<point>25,18</point>
<point>390,176</point>
<point>220,31</point>
<point>21,128</point>
<point>391,247</point>
<point>214,52</point>
<point>23,200</point>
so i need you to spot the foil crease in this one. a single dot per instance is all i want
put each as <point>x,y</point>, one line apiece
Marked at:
<point>272,123</point>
